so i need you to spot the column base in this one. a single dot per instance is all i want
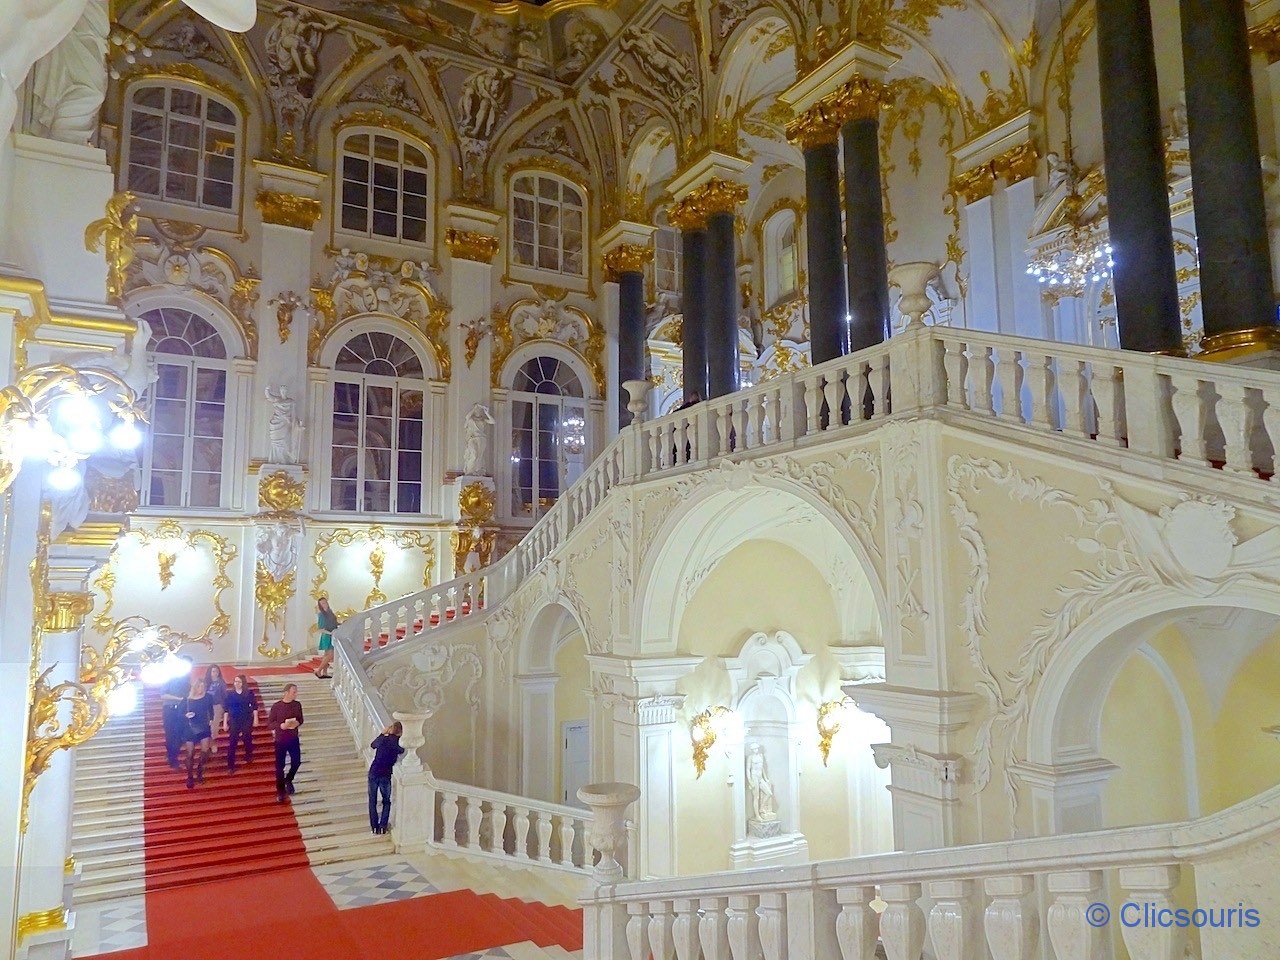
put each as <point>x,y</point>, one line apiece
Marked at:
<point>1255,347</point>
<point>782,850</point>
<point>51,942</point>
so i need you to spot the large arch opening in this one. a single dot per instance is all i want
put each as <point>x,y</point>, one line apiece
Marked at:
<point>552,682</point>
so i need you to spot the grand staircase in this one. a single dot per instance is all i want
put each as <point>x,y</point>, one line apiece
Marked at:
<point>227,826</point>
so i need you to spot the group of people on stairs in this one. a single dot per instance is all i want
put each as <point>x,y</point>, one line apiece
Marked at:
<point>196,706</point>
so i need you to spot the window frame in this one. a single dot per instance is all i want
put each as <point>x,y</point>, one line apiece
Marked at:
<point>428,389</point>
<point>177,208</point>
<point>403,140</point>
<point>676,257</point>
<point>774,230</point>
<point>192,364</point>
<point>517,268</point>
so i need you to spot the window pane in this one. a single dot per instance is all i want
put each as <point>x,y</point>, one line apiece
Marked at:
<point>206,456</point>
<point>408,498</point>
<point>184,102</point>
<point>354,218</point>
<point>415,230</point>
<point>166,452</point>
<point>205,489</point>
<point>169,417</point>
<point>385,176</point>
<point>166,488</point>
<point>219,113</point>
<point>150,97</point>
<point>342,495</point>
<point>548,189</point>
<point>415,182</point>
<point>346,397</point>
<point>377,496</point>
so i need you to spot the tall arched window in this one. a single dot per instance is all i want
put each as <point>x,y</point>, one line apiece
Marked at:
<point>182,466</point>
<point>384,187</point>
<point>182,146</point>
<point>547,222</point>
<point>549,439</point>
<point>781,257</point>
<point>667,257</point>
<point>788,262</point>
<point>377,465</point>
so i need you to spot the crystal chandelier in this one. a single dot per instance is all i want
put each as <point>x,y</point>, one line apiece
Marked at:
<point>573,433</point>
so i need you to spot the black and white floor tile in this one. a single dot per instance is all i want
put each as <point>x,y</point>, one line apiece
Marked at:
<point>365,886</point>
<point>112,926</point>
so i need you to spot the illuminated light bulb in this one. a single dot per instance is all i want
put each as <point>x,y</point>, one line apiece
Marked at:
<point>63,478</point>
<point>154,674</point>
<point>125,436</point>
<point>78,413</point>
<point>85,440</point>
<point>122,700</point>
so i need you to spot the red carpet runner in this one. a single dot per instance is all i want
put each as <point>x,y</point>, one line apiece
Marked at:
<point>227,879</point>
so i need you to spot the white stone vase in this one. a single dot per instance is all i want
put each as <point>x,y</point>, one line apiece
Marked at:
<point>412,738</point>
<point>608,833</point>
<point>638,404</point>
<point>913,279</point>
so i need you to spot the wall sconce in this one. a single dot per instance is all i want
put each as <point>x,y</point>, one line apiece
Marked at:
<point>830,716</point>
<point>706,727</point>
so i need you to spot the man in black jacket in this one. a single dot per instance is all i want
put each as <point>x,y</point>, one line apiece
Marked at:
<point>171,697</point>
<point>284,720</point>
<point>386,751</point>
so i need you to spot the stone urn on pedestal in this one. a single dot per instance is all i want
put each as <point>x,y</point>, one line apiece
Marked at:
<point>913,280</point>
<point>638,402</point>
<point>608,833</point>
<point>412,738</point>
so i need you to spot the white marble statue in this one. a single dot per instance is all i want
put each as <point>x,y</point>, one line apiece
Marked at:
<point>278,549</point>
<point>482,101</point>
<point>293,43</point>
<point>284,430</point>
<point>29,29</point>
<point>1059,169</point>
<point>762,806</point>
<point>475,455</point>
<point>134,366</point>
<point>69,83</point>
<point>658,61</point>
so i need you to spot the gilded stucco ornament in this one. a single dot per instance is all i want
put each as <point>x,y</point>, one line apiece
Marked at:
<point>115,235</point>
<point>66,610</point>
<point>626,258</point>
<point>1264,37</point>
<point>287,209</point>
<point>469,245</point>
<point>280,492</point>
<point>111,494</point>
<point>272,596</point>
<point>976,184</point>
<point>379,537</point>
<point>528,320</point>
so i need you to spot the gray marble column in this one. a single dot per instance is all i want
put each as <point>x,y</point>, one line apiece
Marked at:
<point>722,306</point>
<point>828,303</point>
<point>867,258</point>
<point>624,265</point>
<point>1144,276</point>
<point>693,305</point>
<point>1226,170</point>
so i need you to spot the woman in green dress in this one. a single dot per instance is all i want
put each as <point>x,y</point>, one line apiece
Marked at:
<point>327,622</point>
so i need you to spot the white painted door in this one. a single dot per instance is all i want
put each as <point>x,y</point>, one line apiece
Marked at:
<point>575,760</point>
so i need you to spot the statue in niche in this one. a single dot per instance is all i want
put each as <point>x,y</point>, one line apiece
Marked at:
<point>762,805</point>
<point>583,39</point>
<point>475,455</point>
<point>482,101</point>
<point>69,83</point>
<point>658,61</point>
<point>284,430</point>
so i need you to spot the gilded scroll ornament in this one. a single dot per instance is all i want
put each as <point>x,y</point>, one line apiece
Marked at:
<point>469,245</point>
<point>272,595</point>
<point>626,258</point>
<point>169,537</point>
<point>476,503</point>
<point>476,330</point>
<point>115,235</point>
<point>718,196</point>
<point>817,126</point>
<point>66,610</point>
<point>280,492</point>
<point>379,536</point>
<point>1017,163</point>
<point>287,209</point>
<point>687,215</point>
<point>976,184</point>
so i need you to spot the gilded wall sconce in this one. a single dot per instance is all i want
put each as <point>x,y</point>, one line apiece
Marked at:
<point>705,729</point>
<point>830,716</point>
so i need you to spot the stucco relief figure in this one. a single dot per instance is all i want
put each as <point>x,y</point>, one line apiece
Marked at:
<point>1059,169</point>
<point>69,83</point>
<point>475,455</point>
<point>278,549</point>
<point>293,46</point>
<point>34,27</point>
<point>658,61</point>
<point>284,430</point>
<point>482,101</point>
<point>583,39</point>
<point>762,806</point>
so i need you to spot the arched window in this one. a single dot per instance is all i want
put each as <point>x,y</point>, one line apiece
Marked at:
<point>549,441</point>
<point>788,262</point>
<point>378,392</point>
<point>384,187</point>
<point>781,257</point>
<point>547,223</point>
<point>667,259</point>
<point>182,146</point>
<point>182,466</point>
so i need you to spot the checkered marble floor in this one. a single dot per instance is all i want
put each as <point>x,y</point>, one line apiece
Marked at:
<point>495,953</point>
<point>364,886</point>
<point>110,926</point>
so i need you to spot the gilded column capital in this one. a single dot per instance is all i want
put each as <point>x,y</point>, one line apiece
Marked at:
<point>974,185</point>
<point>288,209</point>
<point>66,611</point>
<point>1264,38</point>
<point>816,127</point>
<point>687,215</point>
<point>1016,164</point>
<point>470,245</point>
<point>718,196</point>
<point>859,99</point>
<point>626,258</point>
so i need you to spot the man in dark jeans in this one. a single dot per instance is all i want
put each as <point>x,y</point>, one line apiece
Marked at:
<point>284,720</point>
<point>171,697</point>
<point>387,750</point>
<point>240,719</point>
